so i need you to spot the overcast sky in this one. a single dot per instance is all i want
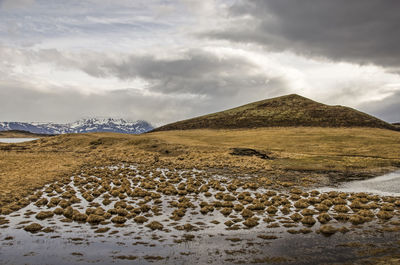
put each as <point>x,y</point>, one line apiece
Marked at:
<point>167,60</point>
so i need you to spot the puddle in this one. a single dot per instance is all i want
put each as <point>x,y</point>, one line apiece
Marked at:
<point>386,185</point>
<point>16,140</point>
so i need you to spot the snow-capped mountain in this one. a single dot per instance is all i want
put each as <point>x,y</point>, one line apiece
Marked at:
<point>80,126</point>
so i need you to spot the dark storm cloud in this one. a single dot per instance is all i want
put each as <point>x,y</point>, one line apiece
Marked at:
<point>358,30</point>
<point>194,72</point>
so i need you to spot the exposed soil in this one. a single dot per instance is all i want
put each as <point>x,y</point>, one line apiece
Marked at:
<point>249,152</point>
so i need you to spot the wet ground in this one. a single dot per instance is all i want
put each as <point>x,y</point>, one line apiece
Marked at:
<point>127,214</point>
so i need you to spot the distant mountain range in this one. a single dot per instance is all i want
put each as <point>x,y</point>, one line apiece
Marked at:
<point>80,126</point>
<point>286,111</point>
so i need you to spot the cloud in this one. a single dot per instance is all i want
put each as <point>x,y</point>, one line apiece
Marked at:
<point>10,4</point>
<point>182,85</point>
<point>356,31</point>
<point>86,24</point>
<point>387,108</point>
<point>195,72</point>
<point>24,104</point>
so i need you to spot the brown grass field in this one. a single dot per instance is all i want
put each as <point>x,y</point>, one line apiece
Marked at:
<point>305,156</point>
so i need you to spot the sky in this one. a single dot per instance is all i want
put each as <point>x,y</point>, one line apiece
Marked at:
<point>168,60</point>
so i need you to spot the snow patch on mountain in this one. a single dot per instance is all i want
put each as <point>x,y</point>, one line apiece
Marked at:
<point>81,126</point>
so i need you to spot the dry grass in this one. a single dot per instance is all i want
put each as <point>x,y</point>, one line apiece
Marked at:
<point>21,172</point>
<point>301,148</point>
<point>27,166</point>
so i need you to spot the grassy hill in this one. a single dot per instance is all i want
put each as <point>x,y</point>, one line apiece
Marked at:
<point>286,111</point>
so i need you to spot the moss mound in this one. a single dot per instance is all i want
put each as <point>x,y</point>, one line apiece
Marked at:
<point>33,228</point>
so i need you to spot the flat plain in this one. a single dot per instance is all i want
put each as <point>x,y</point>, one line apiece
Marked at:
<point>176,196</point>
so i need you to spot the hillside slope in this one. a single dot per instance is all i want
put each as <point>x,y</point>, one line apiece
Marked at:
<point>285,111</point>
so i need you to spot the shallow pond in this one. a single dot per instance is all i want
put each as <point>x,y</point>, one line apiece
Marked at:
<point>386,185</point>
<point>207,240</point>
<point>16,140</point>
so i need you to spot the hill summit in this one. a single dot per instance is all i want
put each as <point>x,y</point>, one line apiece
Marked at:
<point>284,111</point>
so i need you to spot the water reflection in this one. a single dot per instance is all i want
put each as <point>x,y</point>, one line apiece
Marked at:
<point>386,185</point>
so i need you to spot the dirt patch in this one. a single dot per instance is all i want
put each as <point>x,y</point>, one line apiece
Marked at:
<point>249,152</point>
